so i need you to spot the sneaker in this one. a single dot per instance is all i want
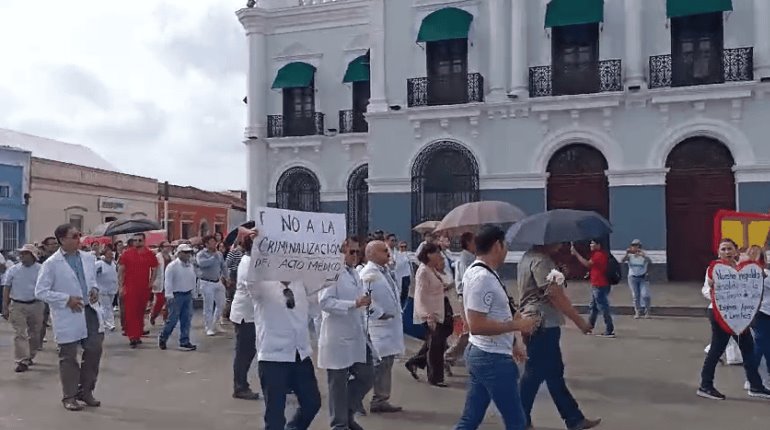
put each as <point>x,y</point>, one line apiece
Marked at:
<point>587,424</point>
<point>760,393</point>
<point>710,393</point>
<point>384,408</point>
<point>210,332</point>
<point>607,335</point>
<point>637,315</point>
<point>21,367</point>
<point>246,395</point>
<point>188,347</point>
<point>746,386</point>
<point>646,314</point>
<point>161,344</point>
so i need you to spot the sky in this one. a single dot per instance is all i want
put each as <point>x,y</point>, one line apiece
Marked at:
<point>153,86</point>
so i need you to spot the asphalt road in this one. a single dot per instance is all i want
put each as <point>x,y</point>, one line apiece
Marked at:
<point>644,379</point>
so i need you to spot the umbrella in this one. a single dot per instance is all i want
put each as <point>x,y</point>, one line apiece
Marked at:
<point>100,229</point>
<point>470,216</point>
<point>559,225</point>
<point>128,226</point>
<point>233,235</point>
<point>426,227</point>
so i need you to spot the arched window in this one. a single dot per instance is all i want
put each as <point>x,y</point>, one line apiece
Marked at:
<point>298,189</point>
<point>358,202</point>
<point>444,176</point>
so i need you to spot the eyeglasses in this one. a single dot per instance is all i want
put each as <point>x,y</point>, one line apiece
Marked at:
<point>75,236</point>
<point>354,252</point>
<point>289,296</point>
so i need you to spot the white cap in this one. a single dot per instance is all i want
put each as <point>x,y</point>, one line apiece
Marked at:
<point>184,248</point>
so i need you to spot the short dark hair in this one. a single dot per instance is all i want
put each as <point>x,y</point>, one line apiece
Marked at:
<point>425,250</point>
<point>728,240</point>
<point>61,231</point>
<point>487,237</point>
<point>108,247</point>
<point>140,235</point>
<point>465,240</point>
<point>207,238</point>
<point>49,238</point>
<point>246,243</point>
<point>130,242</point>
<point>598,242</point>
<point>391,235</point>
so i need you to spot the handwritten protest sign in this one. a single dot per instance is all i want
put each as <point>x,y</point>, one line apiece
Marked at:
<point>737,295</point>
<point>297,246</point>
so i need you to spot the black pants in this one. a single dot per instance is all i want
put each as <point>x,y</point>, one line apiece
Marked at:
<point>245,350</point>
<point>719,340</point>
<point>405,283</point>
<point>280,378</point>
<point>431,354</point>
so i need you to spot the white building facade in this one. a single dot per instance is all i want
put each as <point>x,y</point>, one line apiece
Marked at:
<point>655,113</point>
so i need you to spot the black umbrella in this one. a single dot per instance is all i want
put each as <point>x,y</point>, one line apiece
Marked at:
<point>128,226</point>
<point>233,235</point>
<point>559,225</point>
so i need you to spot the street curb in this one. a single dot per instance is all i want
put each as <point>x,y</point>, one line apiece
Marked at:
<point>658,311</point>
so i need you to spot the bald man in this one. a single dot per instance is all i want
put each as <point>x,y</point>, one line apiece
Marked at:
<point>385,325</point>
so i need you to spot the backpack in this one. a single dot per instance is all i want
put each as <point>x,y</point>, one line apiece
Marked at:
<point>613,270</point>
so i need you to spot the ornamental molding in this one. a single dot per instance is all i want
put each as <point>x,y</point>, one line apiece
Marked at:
<point>312,17</point>
<point>636,177</point>
<point>295,143</point>
<point>702,93</point>
<point>515,181</point>
<point>350,139</point>
<point>389,185</point>
<point>445,115</point>
<point>433,5</point>
<point>752,173</point>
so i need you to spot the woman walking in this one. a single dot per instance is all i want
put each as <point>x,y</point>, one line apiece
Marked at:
<point>432,308</point>
<point>242,317</point>
<point>639,278</point>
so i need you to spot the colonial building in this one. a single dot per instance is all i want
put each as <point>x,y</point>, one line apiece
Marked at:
<point>193,212</point>
<point>653,113</point>
<point>14,196</point>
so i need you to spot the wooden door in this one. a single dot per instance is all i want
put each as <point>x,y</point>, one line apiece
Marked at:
<point>577,180</point>
<point>699,183</point>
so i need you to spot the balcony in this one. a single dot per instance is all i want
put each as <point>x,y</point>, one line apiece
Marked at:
<point>353,122</point>
<point>607,77</point>
<point>446,90</point>
<point>278,127</point>
<point>737,66</point>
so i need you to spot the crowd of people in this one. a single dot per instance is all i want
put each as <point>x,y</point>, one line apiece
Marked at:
<point>358,320</point>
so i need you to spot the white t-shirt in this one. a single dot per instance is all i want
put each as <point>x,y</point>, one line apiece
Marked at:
<point>483,293</point>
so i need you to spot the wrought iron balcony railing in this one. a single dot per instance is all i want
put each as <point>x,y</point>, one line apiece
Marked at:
<point>445,90</point>
<point>737,65</point>
<point>353,122</point>
<point>607,76</point>
<point>278,126</point>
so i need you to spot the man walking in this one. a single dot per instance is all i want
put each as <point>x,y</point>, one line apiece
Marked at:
<point>597,265</point>
<point>136,270</point>
<point>21,307</point>
<point>107,280</point>
<point>342,346</point>
<point>179,282</point>
<point>402,267</point>
<point>67,282</point>
<point>385,323</point>
<point>542,296</point>
<point>244,321</point>
<point>213,271</point>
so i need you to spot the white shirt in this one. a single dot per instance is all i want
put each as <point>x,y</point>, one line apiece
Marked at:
<point>483,293</point>
<point>21,280</point>
<point>242,308</point>
<point>403,266</point>
<point>765,306</point>
<point>179,277</point>
<point>282,333</point>
<point>107,277</point>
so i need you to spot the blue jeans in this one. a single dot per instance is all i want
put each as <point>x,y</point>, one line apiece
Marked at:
<point>761,329</point>
<point>545,364</point>
<point>640,291</point>
<point>493,377</point>
<point>180,312</point>
<point>600,301</point>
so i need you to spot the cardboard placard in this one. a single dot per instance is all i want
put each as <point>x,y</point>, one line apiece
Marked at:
<point>737,294</point>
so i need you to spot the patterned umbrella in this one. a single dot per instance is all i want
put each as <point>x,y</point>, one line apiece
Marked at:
<point>471,216</point>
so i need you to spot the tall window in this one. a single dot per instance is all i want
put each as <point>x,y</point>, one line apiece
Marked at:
<point>298,189</point>
<point>9,235</point>
<point>697,42</point>
<point>5,191</point>
<point>361,94</point>
<point>575,57</point>
<point>447,71</point>
<point>298,110</point>
<point>187,230</point>
<point>77,221</point>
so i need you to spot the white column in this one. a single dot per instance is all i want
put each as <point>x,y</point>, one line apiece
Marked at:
<point>761,39</point>
<point>256,176</point>
<point>378,101</point>
<point>634,61</point>
<point>497,54</point>
<point>519,57</point>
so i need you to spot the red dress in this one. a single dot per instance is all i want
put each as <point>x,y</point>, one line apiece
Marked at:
<point>137,267</point>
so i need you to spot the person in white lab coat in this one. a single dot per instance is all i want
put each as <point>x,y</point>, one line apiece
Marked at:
<point>342,346</point>
<point>402,267</point>
<point>385,323</point>
<point>67,282</point>
<point>242,316</point>
<point>107,280</point>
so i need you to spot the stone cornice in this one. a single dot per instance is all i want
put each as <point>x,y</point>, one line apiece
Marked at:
<point>754,173</point>
<point>513,181</point>
<point>305,18</point>
<point>636,177</point>
<point>389,185</point>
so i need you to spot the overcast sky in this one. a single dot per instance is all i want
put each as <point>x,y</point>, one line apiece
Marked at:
<point>154,86</point>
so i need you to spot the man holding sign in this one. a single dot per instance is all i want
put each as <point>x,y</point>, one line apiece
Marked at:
<point>295,254</point>
<point>736,293</point>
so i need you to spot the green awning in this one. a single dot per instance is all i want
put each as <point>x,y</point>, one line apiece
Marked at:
<point>677,8</point>
<point>358,70</point>
<point>573,12</point>
<point>294,75</point>
<point>445,24</point>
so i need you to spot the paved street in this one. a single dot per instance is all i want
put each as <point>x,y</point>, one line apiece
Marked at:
<point>645,379</point>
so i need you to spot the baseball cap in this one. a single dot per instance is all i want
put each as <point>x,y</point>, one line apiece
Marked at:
<point>184,248</point>
<point>636,242</point>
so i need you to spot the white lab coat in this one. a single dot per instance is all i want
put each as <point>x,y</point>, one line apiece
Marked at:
<point>387,336</point>
<point>342,341</point>
<point>55,284</point>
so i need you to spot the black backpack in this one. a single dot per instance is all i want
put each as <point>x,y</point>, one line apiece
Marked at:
<point>613,270</point>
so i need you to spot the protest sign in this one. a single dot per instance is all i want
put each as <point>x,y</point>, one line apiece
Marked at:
<point>297,246</point>
<point>737,295</point>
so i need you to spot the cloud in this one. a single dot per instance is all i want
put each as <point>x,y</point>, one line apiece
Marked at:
<point>74,81</point>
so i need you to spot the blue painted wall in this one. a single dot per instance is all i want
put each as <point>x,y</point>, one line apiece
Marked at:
<point>531,201</point>
<point>12,208</point>
<point>638,212</point>
<point>334,207</point>
<point>754,197</point>
<point>391,212</point>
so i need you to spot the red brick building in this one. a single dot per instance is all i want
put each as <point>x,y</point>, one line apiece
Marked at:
<point>194,212</point>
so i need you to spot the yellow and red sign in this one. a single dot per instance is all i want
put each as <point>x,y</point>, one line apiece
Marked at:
<point>745,228</point>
